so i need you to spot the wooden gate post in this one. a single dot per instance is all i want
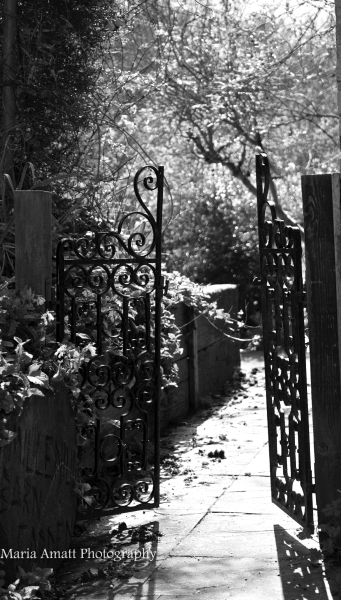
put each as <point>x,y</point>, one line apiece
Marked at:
<point>321,204</point>
<point>38,468</point>
<point>33,241</point>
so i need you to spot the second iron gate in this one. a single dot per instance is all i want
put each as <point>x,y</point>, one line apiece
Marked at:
<point>109,290</point>
<point>282,306</point>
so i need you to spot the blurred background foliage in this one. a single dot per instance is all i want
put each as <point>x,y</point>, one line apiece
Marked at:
<point>102,87</point>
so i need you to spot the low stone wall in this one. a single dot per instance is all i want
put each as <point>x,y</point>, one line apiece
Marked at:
<point>215,356</point>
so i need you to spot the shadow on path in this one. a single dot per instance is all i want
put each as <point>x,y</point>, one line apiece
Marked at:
<point>114,563</point>
<point>300,579</point>
<point>142,583</point>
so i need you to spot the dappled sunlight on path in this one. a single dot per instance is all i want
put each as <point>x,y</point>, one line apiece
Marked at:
<point>216,534</point>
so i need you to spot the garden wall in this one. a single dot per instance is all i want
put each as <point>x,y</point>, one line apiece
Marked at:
<point>208,357</point>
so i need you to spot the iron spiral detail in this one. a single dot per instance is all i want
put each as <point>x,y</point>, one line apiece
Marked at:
<point>109,291</point>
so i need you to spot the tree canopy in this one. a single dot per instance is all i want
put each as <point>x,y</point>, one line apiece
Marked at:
<point>197,86</point>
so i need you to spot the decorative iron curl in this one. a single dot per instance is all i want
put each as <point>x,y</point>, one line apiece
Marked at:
<point>101,398</point>
<point>64,247</point>
<point>98,279</point>
<point>122,398</point>
<point>148,184</point>
<point>145,394</point>
<point>79,277</point>
<point>77,247</point>
<point>106,246</point>
<point>145,367</point>
<point>140,489</point>
<point>110,447</point>
<point>145,277</point>
<point>122,369</point>
<point>138,245</point>
<point>76,279</point>
<point>144,490</point>
<point>98,373</point>
<point>138,238</point>
<point>272,233</point>
<point>122,492</point>
<point>85,247</point>
<point>130,282</point>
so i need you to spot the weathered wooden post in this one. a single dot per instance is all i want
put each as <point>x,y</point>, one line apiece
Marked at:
<point>9,72</point>
<point>321,204</point>
<point>38,468</point>
<point>33,241</point>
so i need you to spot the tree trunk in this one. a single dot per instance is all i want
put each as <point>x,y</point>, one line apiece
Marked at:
<point>338,60</point>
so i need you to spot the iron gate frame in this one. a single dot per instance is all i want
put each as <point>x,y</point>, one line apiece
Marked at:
<point>97,255</point>
<point>282,306</point>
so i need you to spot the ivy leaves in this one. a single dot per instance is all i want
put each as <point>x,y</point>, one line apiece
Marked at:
<point>30,366</point>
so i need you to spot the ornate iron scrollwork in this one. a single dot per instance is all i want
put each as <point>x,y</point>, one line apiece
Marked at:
<point>109,290</point>
<point>282,304</point>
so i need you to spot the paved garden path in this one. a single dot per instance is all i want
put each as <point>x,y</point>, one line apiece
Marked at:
<point>216,534</point>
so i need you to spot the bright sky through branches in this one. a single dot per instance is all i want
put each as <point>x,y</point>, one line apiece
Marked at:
<point>298,8</point>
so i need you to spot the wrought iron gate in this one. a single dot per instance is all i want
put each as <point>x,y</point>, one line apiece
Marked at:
<point>109,290</point>
<point>282,305</point>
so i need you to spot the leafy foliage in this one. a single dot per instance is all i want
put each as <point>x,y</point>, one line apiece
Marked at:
<point>214,239</point>
<point>235,83</point>
<point>80,73</point>
<point>33,361</point>
<point>32,584</point>
<point>197,87</point>
<point>183,289</point>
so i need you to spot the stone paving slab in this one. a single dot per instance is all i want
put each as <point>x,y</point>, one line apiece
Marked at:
<point>223,535</point>
<point>241,501</point>
<point>240,578</point>
<point>189,576</point>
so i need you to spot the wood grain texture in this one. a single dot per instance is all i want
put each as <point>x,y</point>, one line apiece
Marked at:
<point>33,240</point>
<point>337,247</point>
<point>322,276</point>
<point>37,479</point>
